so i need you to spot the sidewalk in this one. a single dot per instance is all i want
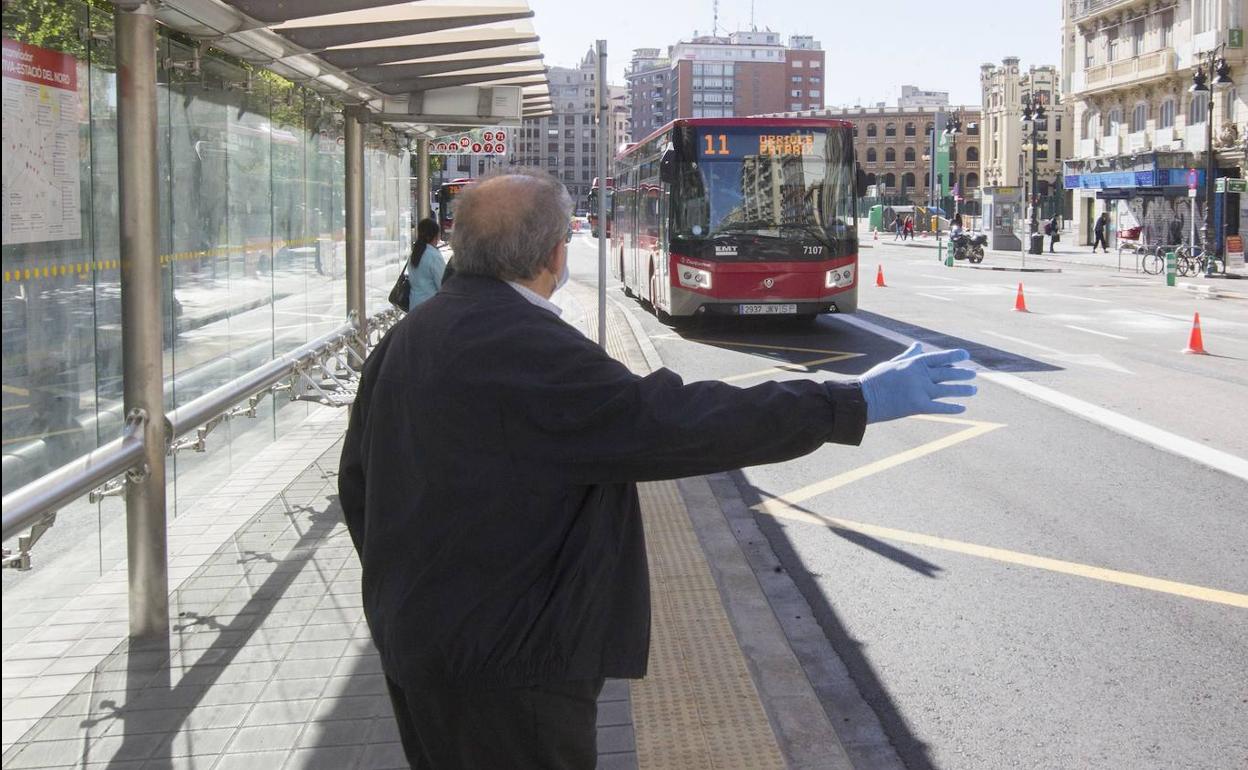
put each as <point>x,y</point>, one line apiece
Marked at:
<point>269,663</point>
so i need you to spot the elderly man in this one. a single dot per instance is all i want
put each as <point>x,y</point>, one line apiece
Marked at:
<point>488,482</point>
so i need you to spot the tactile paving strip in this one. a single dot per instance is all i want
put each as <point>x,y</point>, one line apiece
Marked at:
<point>698,707</point>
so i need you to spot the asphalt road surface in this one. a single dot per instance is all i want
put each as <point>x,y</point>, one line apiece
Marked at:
<point>1057,578</point>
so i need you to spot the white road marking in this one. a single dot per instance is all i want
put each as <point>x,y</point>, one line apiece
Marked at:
<point>1094,331</point>
<point>1076,296</point>
<point>1020,341</point>
<point>1140,431</point>
<point>934,296</point>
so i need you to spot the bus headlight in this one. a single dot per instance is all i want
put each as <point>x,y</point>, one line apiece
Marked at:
<point>839,277</point>
<point>694,278</point>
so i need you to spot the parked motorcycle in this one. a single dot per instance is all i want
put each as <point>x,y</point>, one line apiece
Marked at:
<point>970,247</point>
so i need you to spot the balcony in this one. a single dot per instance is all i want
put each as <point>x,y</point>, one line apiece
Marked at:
<point>1139,142</point>
<point>1081,9</point>
<point>1194,138</point>
<point>1087,148</point>
<point>1155,64</point>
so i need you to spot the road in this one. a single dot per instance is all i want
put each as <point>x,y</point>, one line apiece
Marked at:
<point>1058,578</point>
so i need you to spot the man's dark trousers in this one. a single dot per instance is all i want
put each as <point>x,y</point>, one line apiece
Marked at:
<point>538,726</point>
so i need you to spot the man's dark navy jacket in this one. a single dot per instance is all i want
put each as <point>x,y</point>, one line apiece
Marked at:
<point>488,484</point>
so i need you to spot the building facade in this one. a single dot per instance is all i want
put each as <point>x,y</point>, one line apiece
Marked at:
<point>913,98</point>
<point>893,146</point>
<point>1138,127</point>
<point>565,143</point>
<point>744,73</point>
<point>1006,140</point>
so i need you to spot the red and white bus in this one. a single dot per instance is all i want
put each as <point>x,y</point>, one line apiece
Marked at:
<point>739,216</point>
<point>446,195</point>
<point>592,203</point>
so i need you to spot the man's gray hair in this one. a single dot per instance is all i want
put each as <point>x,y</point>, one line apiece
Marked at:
<point>507,225</point>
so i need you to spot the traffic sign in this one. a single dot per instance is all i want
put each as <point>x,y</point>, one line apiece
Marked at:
<point>1226,184</point>
<point>1235,37</point>
<point>1193,179</point>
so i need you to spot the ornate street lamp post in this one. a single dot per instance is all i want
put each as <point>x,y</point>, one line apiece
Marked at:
<point>953,126</point>
<point>1212,63</point>
<point>1033,113</point>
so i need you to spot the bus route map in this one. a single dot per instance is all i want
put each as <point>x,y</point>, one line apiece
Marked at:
<point>40,190</point>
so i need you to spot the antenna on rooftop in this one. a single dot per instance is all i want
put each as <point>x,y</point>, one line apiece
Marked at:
<point>752,27</point>
<point>714,18</point>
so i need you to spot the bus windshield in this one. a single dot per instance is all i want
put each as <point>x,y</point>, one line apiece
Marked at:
<point>793,184</point>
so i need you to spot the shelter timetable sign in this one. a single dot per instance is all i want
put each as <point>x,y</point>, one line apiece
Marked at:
<point>41,188</point>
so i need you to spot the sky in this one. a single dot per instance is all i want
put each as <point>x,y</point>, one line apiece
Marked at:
<point>872,47</point>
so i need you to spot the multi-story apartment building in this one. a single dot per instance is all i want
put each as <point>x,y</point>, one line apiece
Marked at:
<point>893,146</point>
<point>745,73</point>
<point>649,91</point>
<point>913,97</point>
<point>1006,141</point>
<point>1128,67</point>
<point>565,143</point>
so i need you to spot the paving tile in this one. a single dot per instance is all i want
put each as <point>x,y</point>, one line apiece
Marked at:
<point>253,760</point>
<point>279,712</point>
<point>623,761</point>
<point>614,713</point>
<point>186,743</point>
<point>249,739</point>
<point>359,684</point>
<point>324,758</point>
<point>383,756</point>
<point>337,732</point>
<point>293,689</point>
<point>356,707</point>
<point>616,739</point>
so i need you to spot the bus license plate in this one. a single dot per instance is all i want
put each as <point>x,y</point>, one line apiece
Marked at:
<point>768,309</point>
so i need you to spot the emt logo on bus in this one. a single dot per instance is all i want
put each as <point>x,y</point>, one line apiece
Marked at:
<point>738,145</point>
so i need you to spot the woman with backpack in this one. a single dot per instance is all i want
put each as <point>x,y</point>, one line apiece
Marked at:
<point>426,266</point>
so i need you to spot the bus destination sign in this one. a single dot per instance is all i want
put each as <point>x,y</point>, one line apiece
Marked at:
<point>730,145</point>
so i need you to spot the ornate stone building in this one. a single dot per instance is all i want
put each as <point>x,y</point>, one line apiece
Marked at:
<point>1006,140</point>
<point>1127,68</point>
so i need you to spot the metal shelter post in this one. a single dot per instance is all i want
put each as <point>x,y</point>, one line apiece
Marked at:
<point>422,177</point>
<point>354,190</point>
<point>141,316</point>
<point>604,159</point>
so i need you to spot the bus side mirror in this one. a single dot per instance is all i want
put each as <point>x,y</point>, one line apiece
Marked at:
<point>667,166</point>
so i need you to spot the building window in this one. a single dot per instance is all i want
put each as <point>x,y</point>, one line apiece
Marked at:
<point>1202,15</point>
<point>927,130</point>
<point>909,129</point>
<point>794,106</point>
<point>816,64</point>
<point>815,94</point>
<point>910,155</point>
<point>1091,124</point>
<point>1198,110</point>
<point>795,79</point>
<point>907,181</point>
<point>1137,37</point>
<point>1167,28</point>
<point>890,129</point>
<point>871,130</point>
<point>1114,124</point>
<point>1057,149</point>
<point>890,180</point>
<point>796,93</point>
<point>972,153</point>
<point>890,155</point>
<point>972,180</point>
<point>1111,37</point>
<point>1165,115</point>
<point>797,64</point>
<point>871,155</point>
<point>1139,116</point>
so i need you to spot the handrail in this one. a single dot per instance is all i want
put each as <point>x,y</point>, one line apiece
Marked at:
<point>26,505</point>
<point>23,506</point>
<point>194,413</point>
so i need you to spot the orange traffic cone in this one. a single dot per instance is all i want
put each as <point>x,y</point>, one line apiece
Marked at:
<point>1196,343</point>
<point>879,277</point>
<point>1020,304</point>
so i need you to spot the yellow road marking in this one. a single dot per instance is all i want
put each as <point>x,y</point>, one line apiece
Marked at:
<point>734,344</point>
<point>15,390</point>
<point>777,505</point>
<point>16,439</point>
<point>803,366</point>
<point>1119,577</point>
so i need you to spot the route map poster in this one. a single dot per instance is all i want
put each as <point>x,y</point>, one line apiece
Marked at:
<point>40,192</point>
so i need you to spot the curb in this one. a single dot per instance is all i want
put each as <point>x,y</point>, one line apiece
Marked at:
<point>1011,269</point>
<point>648,351</point>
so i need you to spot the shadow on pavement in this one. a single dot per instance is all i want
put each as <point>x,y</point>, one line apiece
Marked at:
<point>912,751</point>
<point>737,334</point>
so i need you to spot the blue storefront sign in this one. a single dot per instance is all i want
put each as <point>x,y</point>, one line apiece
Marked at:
<point>1158,177</point>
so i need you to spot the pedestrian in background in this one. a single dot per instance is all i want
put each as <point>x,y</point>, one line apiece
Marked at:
<point>488,482</point>
<point>1052,228</point>
<point>425,266</point>
<point>1102,222</point>
<point>900,227</point>
<point>909,228</point>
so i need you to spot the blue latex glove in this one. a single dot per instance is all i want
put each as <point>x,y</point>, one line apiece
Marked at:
<point>911,383</point>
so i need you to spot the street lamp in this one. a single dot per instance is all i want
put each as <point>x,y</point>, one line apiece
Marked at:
<point>1033,113</point>
<point>1216,65</point>
<point>953,126</point>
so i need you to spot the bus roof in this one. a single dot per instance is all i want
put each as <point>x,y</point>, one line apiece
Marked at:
<point>744,122</point>
<point>462,180</point>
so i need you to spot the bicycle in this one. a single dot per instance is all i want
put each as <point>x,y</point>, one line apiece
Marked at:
<point>1153,261</point>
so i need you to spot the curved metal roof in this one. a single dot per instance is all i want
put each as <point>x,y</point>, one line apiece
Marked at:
<point>374,52</point>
